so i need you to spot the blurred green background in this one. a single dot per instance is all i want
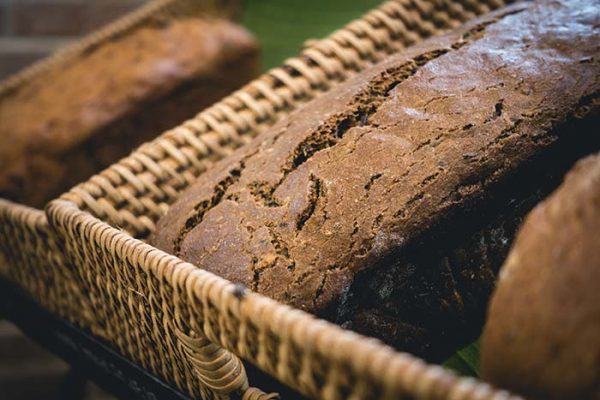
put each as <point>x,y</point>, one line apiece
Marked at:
<point>282,26</point>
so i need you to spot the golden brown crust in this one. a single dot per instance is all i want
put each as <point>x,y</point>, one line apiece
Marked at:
<point>542,334</point>
<point>71,121</point>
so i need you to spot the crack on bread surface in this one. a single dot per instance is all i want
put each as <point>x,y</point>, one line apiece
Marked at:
<point>344,190</point>
<point>472,252</point>
<point>264,194</point>
<point>281,249</point>
<point>201,208</point>
<point>316,191</point>
<point>329,133</point>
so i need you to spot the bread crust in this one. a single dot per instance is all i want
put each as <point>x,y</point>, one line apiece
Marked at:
<point>542,334</point>
<point>73,120</point>
<point>336,200</point>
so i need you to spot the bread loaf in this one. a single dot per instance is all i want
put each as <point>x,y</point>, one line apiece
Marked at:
<point>542,336</point>
<point>388,204</point>
<point>74,120</point>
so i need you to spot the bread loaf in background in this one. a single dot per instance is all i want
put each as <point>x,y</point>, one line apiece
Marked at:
<point>388,204</point>
<point>73,120</point>
<point>542,335</point>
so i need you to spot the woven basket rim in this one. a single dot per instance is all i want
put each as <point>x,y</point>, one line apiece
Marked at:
<point>93,209</point>
<point>399,373</point>
<point>8,205</point>
<point>86,208</point>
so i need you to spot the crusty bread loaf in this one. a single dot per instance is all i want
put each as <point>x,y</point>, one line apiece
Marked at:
<point>74,120</point>
<point>388,204</point>
<point>542,336</point>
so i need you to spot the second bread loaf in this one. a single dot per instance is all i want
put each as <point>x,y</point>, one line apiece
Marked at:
<point>80,116</point>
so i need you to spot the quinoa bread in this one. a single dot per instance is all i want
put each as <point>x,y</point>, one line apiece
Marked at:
<point>389,204</point>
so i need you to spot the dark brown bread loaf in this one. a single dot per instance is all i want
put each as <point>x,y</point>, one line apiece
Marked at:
<point>542,336</point>
<point>388,205</point>
<point>76,119</point>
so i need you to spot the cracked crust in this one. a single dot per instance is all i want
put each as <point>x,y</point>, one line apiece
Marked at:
<point>388,204</point>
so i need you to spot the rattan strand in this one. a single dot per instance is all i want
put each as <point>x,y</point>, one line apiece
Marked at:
<point>216,368</point>
<point>34,261</point>
<point>257,394</point>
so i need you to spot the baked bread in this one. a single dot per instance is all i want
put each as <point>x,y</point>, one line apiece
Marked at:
<point>388,204</point>
<point>74,120</point>
<point>542,336</point>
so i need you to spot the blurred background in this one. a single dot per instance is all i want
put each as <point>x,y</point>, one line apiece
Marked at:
<point>33,29</point>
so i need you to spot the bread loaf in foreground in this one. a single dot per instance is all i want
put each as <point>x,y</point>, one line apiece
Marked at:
<point>388,204</point>
<point>542,336</point>
<point>77,118</point>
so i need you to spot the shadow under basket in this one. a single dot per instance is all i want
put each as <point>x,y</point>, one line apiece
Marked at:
<point>190,327</point>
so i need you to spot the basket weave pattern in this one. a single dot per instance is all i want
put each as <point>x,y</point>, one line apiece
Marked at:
<point>157,302</point>
<point>182,323</point>
<point>164,313</point>
<point>32,258</point>
<point>34,261</point>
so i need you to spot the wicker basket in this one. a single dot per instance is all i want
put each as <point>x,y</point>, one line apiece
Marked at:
<point>29,255</point>
<point>188,326</point>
